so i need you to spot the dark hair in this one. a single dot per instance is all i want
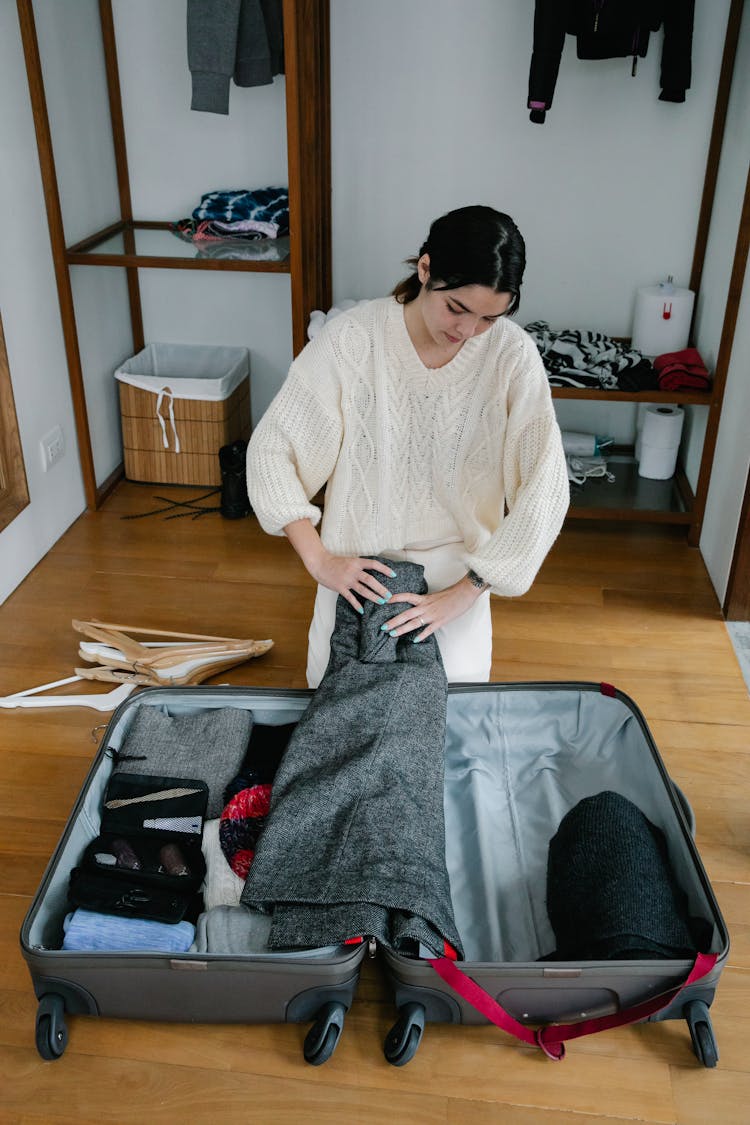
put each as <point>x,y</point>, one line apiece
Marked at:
<point>470,246</point>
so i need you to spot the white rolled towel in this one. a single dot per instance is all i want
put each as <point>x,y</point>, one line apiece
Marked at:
<point>221,887</point>
<point>316,322</point>
<point>318,318</point>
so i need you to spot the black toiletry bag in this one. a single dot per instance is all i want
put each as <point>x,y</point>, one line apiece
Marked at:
<point>147,861</point>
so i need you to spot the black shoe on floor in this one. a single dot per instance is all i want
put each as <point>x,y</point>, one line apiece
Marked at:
<point>234,499</point>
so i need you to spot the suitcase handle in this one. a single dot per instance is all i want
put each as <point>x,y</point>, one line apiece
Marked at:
<point>551,1038</point>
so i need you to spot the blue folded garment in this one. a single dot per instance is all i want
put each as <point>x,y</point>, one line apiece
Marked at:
<point>86,930</point>
<point>266,205</point>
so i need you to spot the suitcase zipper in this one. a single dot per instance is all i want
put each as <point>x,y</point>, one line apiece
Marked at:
<point>372,947</point>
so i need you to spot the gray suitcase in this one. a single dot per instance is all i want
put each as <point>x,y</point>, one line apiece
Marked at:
<point>315,985</point>
<point>518,757</point>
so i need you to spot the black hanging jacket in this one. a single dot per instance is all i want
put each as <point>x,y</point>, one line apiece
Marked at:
<point>606,29</point>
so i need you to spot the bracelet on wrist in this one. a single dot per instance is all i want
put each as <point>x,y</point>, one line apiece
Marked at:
<point>476,581</point>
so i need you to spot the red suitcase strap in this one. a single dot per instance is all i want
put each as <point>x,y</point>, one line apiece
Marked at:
<point>551,1038</point>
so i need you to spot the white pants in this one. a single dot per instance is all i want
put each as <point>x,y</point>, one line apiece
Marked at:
<point>465,643</point>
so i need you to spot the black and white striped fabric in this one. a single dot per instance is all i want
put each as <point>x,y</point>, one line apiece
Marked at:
<point>577,358</point>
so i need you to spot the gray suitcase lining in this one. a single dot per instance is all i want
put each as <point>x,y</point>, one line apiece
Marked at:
<point>517,761</point>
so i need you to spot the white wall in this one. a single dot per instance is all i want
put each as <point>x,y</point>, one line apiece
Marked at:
<point>429,113</point>
<point>732,459</point>
<point>31,320</point>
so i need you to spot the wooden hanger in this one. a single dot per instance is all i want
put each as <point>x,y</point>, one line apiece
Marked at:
<point>127,660</point>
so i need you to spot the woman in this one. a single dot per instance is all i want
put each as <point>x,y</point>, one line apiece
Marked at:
<point>428,415</point>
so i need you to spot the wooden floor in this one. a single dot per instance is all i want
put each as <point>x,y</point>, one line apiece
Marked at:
<point>630,606</point>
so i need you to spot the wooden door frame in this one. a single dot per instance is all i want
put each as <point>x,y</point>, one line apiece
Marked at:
<point>14,491</point>
<point>736,605</point>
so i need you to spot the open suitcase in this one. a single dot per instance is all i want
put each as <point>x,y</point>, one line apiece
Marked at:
<point>518,757</point>
<point>315,985</point>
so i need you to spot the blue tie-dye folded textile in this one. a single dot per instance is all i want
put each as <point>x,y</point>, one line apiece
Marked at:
<point>264,205</point>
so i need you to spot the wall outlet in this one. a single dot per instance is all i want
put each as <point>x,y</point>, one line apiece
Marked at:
<point>52,447</point>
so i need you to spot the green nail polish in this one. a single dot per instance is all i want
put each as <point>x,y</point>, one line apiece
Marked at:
<point>416,640</point>
<point>381,601</point>
<point>359,609</point>
<point>392,633</point>
<point>388,596</point>
<point>393,574</point>
<point>383,628</point>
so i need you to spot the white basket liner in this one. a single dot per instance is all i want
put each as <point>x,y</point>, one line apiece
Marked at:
<point>199,371</point>
<point>203,372</point>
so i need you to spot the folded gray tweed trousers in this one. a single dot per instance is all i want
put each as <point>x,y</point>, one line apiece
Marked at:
<point>355,839</point>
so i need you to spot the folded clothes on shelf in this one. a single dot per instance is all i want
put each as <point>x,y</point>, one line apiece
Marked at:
<point>579,358</point>
<point>212,230</point>
<point>240,217</point>
<point>682,370</point>
<point>261,205</point>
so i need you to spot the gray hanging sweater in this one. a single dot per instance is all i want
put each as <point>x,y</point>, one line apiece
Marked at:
<point>242,39</point>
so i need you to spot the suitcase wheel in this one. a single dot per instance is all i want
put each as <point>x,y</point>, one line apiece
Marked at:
<point>321,1039</point>
<point>51,1030</point>
<point>402,1040</point>
<point>702,1032</point>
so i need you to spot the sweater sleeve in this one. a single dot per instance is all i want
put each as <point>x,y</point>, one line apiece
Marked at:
<point>212,27</point>
<point>294,447</point>
<point>677,50</point>
<point>536,489</point>
<point>549,38</point>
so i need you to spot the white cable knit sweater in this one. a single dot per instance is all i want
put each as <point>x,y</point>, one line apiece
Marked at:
<point>471,450</point>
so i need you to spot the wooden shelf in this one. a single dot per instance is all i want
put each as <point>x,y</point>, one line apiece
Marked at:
<point>133,244</point>
<point>632,497</point>
<point>155,245</point>
<point>695,398</point>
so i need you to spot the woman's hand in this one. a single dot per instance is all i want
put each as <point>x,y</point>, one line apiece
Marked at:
<point>350,577</point>
<point>428,612</point>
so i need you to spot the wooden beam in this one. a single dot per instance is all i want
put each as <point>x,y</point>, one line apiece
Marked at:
<point>717,138</point>
<point>736,281</point>
<point>308,146</point>
<point>737,601</point>
<point>57,241</point>
<point>121,163</point>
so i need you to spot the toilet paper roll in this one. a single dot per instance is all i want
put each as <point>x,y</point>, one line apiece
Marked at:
<point>579,444</point>
<point>662,427</point>
<point>657,463</point>
<point>662,319</point>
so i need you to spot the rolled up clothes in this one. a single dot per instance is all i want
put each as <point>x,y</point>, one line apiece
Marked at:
<point>87,930</point>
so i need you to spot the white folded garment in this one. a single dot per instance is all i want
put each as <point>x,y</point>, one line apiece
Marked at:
<point>221,887</point>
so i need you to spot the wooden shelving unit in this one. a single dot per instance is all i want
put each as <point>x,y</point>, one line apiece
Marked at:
<point>132,244</point>
<point>629,497</point>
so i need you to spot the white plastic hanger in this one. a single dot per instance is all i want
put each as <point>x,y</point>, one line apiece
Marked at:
<point>106,701</point>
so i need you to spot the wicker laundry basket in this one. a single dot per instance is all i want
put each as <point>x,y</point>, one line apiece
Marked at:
<point>179,403</point>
